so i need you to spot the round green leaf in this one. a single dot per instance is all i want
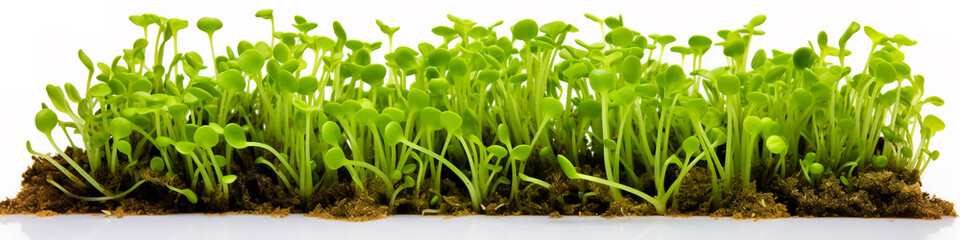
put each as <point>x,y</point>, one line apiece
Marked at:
<point>395,114</point>
<point>646,90</point>
<point>775,73</point>
<point>801,98</point>
<point>235,136</point>
<point>503,133</point>
<point>164,141</point>
<point>822,40</point>
<point>281,53</point>
<point>880,161</point>
<point>590,109</point>
<point>613,22</point>
<point>674,75</point>
<point>156,164</point>
<point>206,137</point>
<point>623,96</point>
<point>139,20</point>
<point>577,70</point>
<point>219,161</point>
<point>552,108</point>
<point>373,74</point>
<point>409,168</point>
<point>902,68</point>
<point>184,147</point>
<point>439,58</point>
<point>404,57</point>
<point>393,133</point>
<point>457,68</point>
<point>752,125</point>
<point>602,80</point>
<point>331,133</point>
<point>307,85</point>
<point>609,144</point>
<point>231,80</point>
<point>729,85</point>
<point>251,61</point>
<point>890,135</point>
<point>699,44</point>
<point>665,39</point>
<point>885,72</point>
<point>288,83</point>
<point>430,118</point>
<point>776,144</point>
<point>46,120</point>
<point>123,147</point>
<point>521,152</point>
<point>176,24</point>
<point>803,58</point>
<point>418,99</point>
<point>816,168</point>
<point>439,86</point>
<point>450,120</point>
<point>334,158</point>
<point>758,98</point>
<point>691,145</point>
<point>334,109</point>
<point>497,151</point>
<point>553,28</point>
<point>519,78</point>
<point>933,123</point>
<point>265,14</point>
<point>630,69</point>
<point>621,37</point>
<point>100,90</point>
<point>395,175</point>
<point>488,76</point>
<point>734,48</point>
<point>209,25</point>
<point>770,127</point>
<point>810,158</point>
<point>525,29</point>
<point>443,31</point>
<point>120,127</point>
<point>845,123</point>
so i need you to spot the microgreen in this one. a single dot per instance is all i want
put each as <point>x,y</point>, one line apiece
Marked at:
<point>499,111</point>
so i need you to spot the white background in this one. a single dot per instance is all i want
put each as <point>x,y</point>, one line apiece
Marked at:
<point>39,42</point>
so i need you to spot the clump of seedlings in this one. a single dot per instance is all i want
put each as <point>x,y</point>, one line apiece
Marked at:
<point>483,116</point>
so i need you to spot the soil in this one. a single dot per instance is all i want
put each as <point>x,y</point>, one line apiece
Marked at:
<point>872,193</point>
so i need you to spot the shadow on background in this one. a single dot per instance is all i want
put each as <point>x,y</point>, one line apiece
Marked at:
<point>198,226</point>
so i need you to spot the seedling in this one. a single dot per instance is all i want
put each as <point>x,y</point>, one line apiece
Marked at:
<point>494,109</point>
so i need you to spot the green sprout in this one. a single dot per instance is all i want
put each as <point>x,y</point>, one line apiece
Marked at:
<point>502,111</point>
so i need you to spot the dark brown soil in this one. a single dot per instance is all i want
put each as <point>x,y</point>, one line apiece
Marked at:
<point>872,193</point>
<point>744,201</point>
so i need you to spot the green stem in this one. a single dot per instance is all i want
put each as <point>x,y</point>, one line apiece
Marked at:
<point>474,196</point>
<point>661,208</point>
